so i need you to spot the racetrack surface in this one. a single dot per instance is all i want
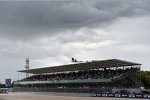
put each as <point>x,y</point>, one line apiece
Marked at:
<point>34,96</point>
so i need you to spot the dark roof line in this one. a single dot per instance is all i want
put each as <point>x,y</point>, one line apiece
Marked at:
<point>82,66</point>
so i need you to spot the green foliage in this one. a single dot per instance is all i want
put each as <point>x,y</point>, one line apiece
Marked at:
<point>141,78</point>
<point>2,85</point>
<point>144,76</point>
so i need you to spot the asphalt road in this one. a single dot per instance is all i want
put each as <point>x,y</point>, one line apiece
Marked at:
<point>31,96</point>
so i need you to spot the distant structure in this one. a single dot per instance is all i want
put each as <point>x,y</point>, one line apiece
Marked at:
<point>27,66</point>
<point>7,83</point>
<point>75,60</point>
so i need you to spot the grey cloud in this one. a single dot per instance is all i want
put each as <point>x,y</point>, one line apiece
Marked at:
<point>124,8</point>
<point>82,35</point>
<point>52,32</point>
<point>36,19</point>
<point>131,30</point>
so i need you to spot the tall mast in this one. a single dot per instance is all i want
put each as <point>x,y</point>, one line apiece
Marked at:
<point>27,66</point>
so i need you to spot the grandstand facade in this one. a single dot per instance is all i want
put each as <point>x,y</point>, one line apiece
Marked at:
<point>100,76</point>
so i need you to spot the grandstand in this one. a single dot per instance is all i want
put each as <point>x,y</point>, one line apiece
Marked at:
<point>98,76</point>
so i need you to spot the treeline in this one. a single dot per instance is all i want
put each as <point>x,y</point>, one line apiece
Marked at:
<point>144,76</point>
<point>2,85</point>
<point>141,78</point>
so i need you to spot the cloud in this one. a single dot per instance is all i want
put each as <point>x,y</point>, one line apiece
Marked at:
<point>27,20</point>
<point>52,32</point>
<point>131,30</point>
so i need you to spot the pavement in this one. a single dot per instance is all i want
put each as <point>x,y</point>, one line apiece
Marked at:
<point>34,96</point>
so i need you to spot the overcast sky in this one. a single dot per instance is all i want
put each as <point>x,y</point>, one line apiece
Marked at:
<point>51,33</point>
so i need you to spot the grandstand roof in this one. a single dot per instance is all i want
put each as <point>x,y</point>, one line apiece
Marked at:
<point>82,66</point>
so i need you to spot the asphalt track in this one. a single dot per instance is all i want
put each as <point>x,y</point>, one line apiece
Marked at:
<point>34,96</point>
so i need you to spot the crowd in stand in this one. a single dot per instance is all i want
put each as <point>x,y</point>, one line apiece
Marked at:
<point>90,74</point>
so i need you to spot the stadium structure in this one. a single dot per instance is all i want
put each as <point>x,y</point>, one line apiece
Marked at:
<point>84,77</point>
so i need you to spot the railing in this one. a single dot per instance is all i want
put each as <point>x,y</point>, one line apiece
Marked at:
<point>67,90</point>
<point>106,80</point>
